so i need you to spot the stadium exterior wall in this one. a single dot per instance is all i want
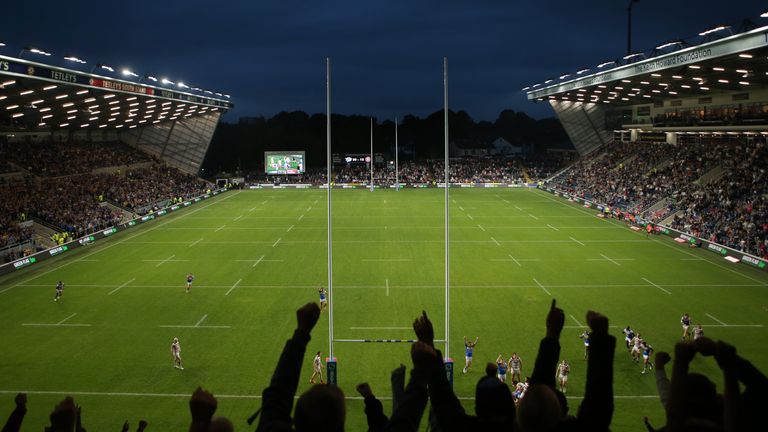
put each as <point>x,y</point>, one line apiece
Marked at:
<point>689,239</point>
<point>31,260</point>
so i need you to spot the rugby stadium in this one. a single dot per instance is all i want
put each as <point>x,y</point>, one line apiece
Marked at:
<point>121,257</point>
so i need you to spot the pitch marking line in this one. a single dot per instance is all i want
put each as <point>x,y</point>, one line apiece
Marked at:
<point>380,328</point>
<point>235,396</point>
<point>58,324</point>
<point>496,241</point>
<point>611,260</point>
<point>220,228</point>
<point>386,259</point>
<point>253,209</point>
<point>196,242</point>
<point>577,241</point>
<point>657,286</point>
<point>553,227</point>
<point>197,325</point>
<point>533,216</point>
<point>278,241</point>
<point>165,260</point>
<point>254,265</point>
<point>121,286</point>
<point>577,321</point>
<point>722,323</point>
<point>289,228</point>
<point>300,217</point>
<point>516,261</point>
<point>230,290</point>
<point>470,217</point>
<point>386,284</point>
<point>481,227</point>
<point>237,218</point>
<point>518,208</point>
<point>542,287</point>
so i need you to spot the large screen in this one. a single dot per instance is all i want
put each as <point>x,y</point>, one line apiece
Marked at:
<point>284,162</point>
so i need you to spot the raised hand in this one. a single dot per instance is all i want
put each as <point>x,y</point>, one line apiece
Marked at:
<point>423,355</point>
<point>202,405</point>
<point>142,425</point>
<point>364,389</point>
<point>597,322</point>
<point>422,326</point>
<point>307,316</point>
<point>20,400</point>
<point>555,320</point>
<point>661,359</point>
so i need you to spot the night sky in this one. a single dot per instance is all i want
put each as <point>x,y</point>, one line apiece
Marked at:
<point>387,55</point>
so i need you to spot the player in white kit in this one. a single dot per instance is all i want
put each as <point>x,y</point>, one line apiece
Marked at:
<point>698,332</point>
<point>563,369</point>
<point>176,354</point>
<point>317,369</point>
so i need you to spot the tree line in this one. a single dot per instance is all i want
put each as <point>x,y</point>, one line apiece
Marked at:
<point>242,145</point>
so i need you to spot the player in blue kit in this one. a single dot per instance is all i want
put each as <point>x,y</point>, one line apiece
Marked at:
<point>585,337</point>
<point>323,298</point>
<point>647,351</point>
<point>190,278</point>
<point>469,349</point>
<point>59,291</point>
<point>501,369</point>
<point>685,321</point>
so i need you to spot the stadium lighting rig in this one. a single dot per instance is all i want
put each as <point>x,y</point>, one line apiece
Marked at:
<point>75,59</point>
<point>34,50</point>
<point>166,81</point>
<point>633,55</point>
<point>604,64</point>
<point>714,30</point>
<point>582,71</point>
<point>764,15</point>
<point>128,72</point>
<point>669,44</point>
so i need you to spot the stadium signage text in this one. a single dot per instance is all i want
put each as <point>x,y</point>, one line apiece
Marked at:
<point>120,86</point>
<point>109,232</point>
<point>63,76</point>
<point>4,65</point>
<point>753,261</point>
<point>24,262</point>
<point>716,248</point>
<point>58,250</point>
<point>689,57</point>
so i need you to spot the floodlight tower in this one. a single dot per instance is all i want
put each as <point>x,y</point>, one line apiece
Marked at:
<point>629,25</point>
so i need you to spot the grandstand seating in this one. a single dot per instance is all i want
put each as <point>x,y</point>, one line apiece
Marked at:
<point>658,180</point>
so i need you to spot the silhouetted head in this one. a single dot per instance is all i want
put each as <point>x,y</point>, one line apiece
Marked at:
<point>320,409</point>
<point>701,399</point>
<point>539,410</point>
<point>493,401</point>
<point>222,424</point>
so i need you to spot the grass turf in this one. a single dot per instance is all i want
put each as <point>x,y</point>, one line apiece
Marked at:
<point>258,255</point>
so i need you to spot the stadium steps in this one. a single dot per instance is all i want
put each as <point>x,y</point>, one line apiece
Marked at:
<point>668,220</point>
<point>710,176</point>
<point>43,233</point>
<point>658,205</point>
<point>624,163</point>
<point>584,123</point>
<point>126,214</point>
<point>660,166</point>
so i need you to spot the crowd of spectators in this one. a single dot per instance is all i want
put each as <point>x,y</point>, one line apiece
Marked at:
<point>636,176</point>
<point>54,158</point>
<point>62,187</point>
<point>464,170</point>
<point>690,400</point>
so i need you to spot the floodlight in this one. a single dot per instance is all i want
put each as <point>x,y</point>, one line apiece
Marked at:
<point>601,65</point>
<point>166,81</point>
<point>713,30</point>
<point>582,71</point>
<point>105,67</point>
<point>633,55</point>
<point>75,59</point>
<point>128,72</point>
<point>669,44</point>
<point>764,15</point>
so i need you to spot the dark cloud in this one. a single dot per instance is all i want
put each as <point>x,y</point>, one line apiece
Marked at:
<point>387,55</point>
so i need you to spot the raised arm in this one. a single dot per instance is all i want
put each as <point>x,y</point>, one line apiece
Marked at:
<point>277,399</point>
<point>549,348</point>
<point>596,410</point>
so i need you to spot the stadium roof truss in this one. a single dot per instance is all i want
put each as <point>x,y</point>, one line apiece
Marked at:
<point>732,63</point>
<point>175,126</point>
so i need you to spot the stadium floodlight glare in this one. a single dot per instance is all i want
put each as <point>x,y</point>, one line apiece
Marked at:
<point>62,96</point>
<point>579,72</point>
<point>7,83</point>
<point>219,94</point>
<point>669,44</point>
<point>764,15</point>
<point>694,67</point>
<point>75,59</point>
<point>47,116</point>
<point>36,102</point>
<point>227,96</point>
<point>181,85</point>
<point>718,69</point>
<point>26,92</point>
<point>151,78</point>
<point>604,64</point>
<point>82,92</point>
<point>548,81</point>
<point>526,88</point>
<point>2,44</point>
<point>745,55</point>
<point>633,55</point>
<point>44,109</point>
<point>106,67</point>
<point>166,81</point>
<point>745,83</point>
<point>38,51</point>
<point>64,125</point>
<point>564,76</point>
<point>713,30</point>
<point>127,72</point>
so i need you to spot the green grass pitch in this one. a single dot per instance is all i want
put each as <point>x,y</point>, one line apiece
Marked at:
<point>259,255</point>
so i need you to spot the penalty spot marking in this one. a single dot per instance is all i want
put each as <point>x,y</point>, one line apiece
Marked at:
<point>657,286</point>
<point>230,290</point>
<point>542,287</point>
<point>722,323</point>
<point>121,286</point>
